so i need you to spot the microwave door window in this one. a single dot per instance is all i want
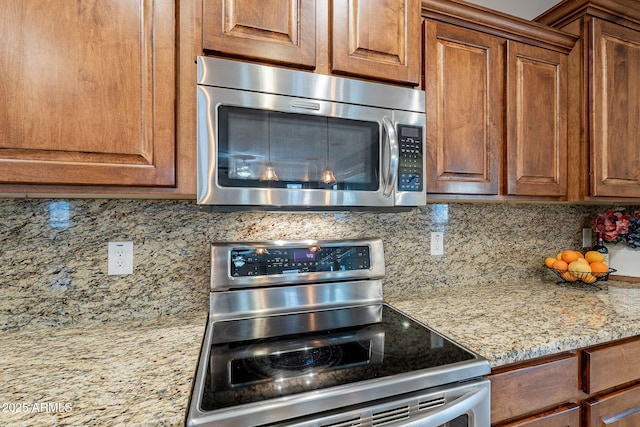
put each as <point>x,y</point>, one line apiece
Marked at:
<point>354,153</point>
<point>267,149</point>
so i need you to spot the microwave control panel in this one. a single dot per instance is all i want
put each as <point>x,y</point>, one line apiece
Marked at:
<point>269,261</point>
<point>411,164</point>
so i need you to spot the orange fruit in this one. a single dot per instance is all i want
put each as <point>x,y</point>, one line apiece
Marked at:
<point>599,268</point>
<point>568,276</point>
<point>570,256</point>
<point>593,256</point>
<point>549,261</point>
<point>560,266</point>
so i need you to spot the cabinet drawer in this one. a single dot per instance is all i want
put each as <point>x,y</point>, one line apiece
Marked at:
<point>610,365</point>
<point>618,409</point>
<point>534,387</point>
<point>564,416</point>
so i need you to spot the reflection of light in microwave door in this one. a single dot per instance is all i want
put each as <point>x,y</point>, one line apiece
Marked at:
<point>269,173</point>
<point>240,168</point>
<point>327,175</point>
<point>310,170</point>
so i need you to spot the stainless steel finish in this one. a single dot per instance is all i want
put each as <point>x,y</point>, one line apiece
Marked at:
<point>261,327</point>
<point>224,82</point>
<point>330,399</point>
<point>475,403</point>
<point>237,316</point>
<point>260,78</point>
<point>264,301</point>
<point>432,408</point>
<point>372,336</point>
<point>394,157</point>
<point>306,105</point>
<point>221,264</point>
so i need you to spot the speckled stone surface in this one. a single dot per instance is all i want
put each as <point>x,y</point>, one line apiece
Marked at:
<point>54,252</point>
<point>122,350</point>
<point>136,373</point>
<point>139,373</point>
<point>514,321</point>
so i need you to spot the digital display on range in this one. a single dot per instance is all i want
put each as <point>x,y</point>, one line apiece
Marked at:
<point>304,255</point>
<point>270,261</point>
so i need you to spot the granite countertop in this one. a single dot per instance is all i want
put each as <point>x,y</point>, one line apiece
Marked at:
<point>514,322</point>
<point>134,373</point>
<point>140,373</point>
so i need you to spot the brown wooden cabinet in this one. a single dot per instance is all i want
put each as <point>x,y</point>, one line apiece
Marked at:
<point>563,416</point>
<point>617,409</point>
<point>612,371</point>
<point>90,93</point>
<point>592,387</point>
<point>377,39</point>
<point>280,31</point>
<point>605,88</point>
<point>464,92</point>
<point>536,156</point>
<point>373,39</point>
<point>534,387</point>
<point>497,104</point>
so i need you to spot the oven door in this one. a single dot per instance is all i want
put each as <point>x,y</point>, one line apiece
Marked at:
<point>462,405</point>
<point>258,149</point>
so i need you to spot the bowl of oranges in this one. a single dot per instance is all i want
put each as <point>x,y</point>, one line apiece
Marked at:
<point>574,266</point>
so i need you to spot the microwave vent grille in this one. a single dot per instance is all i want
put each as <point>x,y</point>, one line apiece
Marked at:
<point>430,404</point>
<point>395,414</point>
<point>353,422</point>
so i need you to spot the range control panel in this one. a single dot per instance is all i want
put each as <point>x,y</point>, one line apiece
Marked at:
<point>411,162</point>
<point>293,260</point>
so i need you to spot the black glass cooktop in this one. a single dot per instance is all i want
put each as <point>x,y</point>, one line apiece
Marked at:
<point>298,360</point>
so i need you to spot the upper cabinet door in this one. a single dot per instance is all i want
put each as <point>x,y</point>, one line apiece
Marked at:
<point>536,121</point>
<point>464,73</point>
<point>377,38</point>
<point>280,31</point>
<point>615,110</point>
<point>89,92</point>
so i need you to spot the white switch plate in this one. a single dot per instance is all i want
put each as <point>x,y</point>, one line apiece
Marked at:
<point>120,259</point>
<point>586,238</point>
<point>437,243</point>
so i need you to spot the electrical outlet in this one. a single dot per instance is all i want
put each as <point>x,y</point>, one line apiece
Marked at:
<point>120,260</point>
<point>586,238</point>
<point>437,243</point>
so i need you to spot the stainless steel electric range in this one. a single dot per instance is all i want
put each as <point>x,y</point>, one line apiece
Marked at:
<point>299,335</point>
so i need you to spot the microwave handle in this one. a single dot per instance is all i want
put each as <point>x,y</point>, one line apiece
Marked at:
<point>394,156</point>
<point>439,416</point>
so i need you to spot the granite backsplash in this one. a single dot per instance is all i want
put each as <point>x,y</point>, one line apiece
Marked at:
<point>54,252</point>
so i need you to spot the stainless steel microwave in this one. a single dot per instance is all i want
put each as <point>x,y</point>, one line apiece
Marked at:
<point>274,138</point>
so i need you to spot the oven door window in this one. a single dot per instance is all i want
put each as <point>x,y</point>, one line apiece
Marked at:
<point>461,421</point>
<point>269,149</point>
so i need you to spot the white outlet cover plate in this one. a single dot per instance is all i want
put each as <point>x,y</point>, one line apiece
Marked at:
<point>120,259</point>
<point>437,243</point>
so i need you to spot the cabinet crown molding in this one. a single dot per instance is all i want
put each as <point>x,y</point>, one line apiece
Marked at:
<point>626,12</point>
<point>496,23</point>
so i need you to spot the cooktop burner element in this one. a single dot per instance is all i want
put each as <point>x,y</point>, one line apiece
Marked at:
<point>287,363</point>
<point>285,340</point>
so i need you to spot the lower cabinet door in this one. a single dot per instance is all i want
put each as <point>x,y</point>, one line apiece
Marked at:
<point>533,387</point>
<point>564,416</point>
<point>617,409</point>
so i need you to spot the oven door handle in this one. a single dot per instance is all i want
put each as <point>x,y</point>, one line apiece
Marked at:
<point>448,412</point>
<point>394,156</point>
